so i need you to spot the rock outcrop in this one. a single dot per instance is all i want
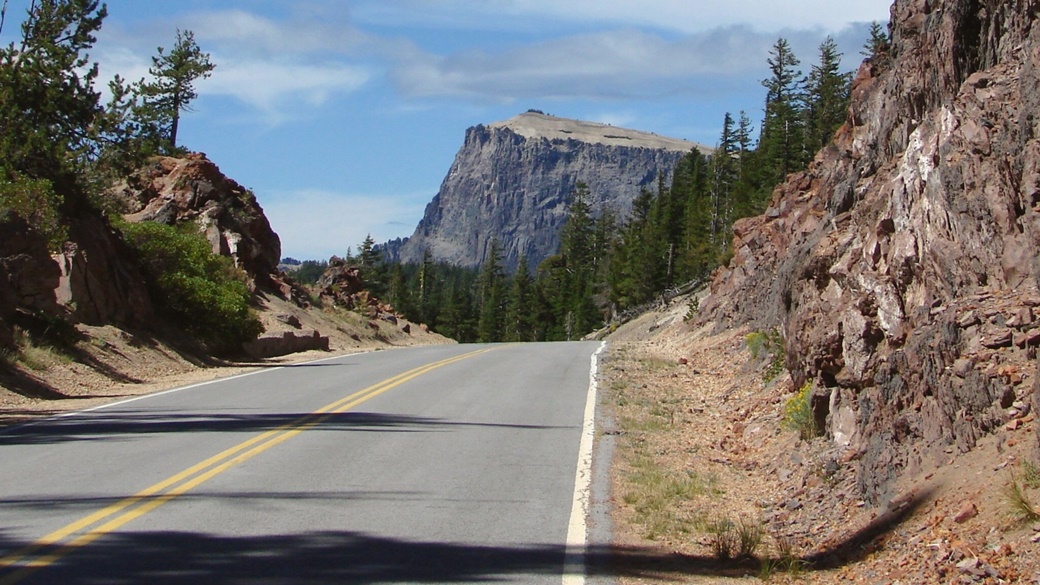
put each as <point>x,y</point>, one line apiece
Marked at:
<point>28,277</point>
<point>902,267</point>
<point>341,286</point>
<point>173,190</point>
<point>514,180</point>
<point>89,280</point>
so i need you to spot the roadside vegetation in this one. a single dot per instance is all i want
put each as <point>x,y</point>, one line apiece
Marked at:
<point>202,291</point>
<point>61,149</point>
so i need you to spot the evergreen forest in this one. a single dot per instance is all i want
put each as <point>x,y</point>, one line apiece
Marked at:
<point>674,235</point>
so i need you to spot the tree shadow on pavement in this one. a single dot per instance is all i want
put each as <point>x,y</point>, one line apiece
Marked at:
<point>347,557</point>
<point>114,425</point>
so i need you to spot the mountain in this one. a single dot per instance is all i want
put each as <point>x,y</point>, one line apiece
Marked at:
<point>901,268</point>
<point>513,181</point>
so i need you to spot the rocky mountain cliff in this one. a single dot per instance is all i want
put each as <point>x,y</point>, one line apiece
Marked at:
<point>901,268</point>
<point>513,181</point>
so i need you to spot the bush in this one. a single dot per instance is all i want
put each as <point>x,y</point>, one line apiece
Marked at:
<point>35,201</point>
<point>799,415</point>
<point>192,285</point>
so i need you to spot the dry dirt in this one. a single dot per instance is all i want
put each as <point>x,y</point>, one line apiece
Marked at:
<point>700,443</point>
<point>110,364</point>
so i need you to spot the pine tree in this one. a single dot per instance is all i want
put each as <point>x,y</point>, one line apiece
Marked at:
<point>724,176</point>
<point>580,278</point>
<point>827,97</point>
<point>425,294</point>
<point>48,104</point>
<point>878,49</point>
<point>745,202</point>
<point>782,137</point>
<point>399,295</point>
<point>691,182</point>
<point>522,311</point>
<point>172,88</point>
<point>636,271</point>
<point>370,263</point>
<point>491,297</point>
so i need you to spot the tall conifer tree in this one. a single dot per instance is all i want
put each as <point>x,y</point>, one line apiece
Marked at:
<point>782,136</point>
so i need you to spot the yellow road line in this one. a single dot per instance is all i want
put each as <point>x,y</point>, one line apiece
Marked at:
<point>152,497</point>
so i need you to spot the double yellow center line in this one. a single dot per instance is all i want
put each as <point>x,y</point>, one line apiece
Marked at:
<point>56,545</point>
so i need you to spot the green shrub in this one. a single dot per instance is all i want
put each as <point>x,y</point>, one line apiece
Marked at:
<point>798,413</point>
<point>35,201</point>
<point>724,540</point>
<point>192,285</point>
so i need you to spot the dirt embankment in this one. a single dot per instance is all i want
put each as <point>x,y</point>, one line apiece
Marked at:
<point>706,451</point>
<point>110,363</point>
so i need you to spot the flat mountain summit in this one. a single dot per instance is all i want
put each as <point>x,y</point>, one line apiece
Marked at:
<point>534,125</point>
<point>512,182</point>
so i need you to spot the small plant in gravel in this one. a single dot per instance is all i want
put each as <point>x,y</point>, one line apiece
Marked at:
<point>1017,494</point>
<point>749,536</point>
<point>35,356</point>
<point>798,413</point>
<point>785,561</point>
<point>723,538</point>
<point>767,343</point>
<point>691,311</point>
<point>734,540</point>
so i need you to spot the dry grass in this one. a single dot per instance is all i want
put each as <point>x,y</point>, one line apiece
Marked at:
<point>34,356</point>
<point>1019,493</point>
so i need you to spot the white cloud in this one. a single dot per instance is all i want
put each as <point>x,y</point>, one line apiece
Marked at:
<point>686,16</point>
<point>616,64</point>
<point>316,224</point>
<point>250,33</point>
<point>276,88</point>
<point>692,16</point>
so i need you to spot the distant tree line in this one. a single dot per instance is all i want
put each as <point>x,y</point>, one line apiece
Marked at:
<point>677,233</point>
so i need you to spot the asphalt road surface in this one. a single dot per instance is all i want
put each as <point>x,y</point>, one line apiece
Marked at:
<point>445,464</point>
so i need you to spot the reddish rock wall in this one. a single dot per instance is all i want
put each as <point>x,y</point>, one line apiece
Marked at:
<point>902,266</point>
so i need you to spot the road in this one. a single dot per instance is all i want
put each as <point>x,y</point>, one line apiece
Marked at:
<point>441,464</point>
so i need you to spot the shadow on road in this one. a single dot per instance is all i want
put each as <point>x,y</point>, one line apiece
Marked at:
<point>126,426</point>
<point>349,557</point>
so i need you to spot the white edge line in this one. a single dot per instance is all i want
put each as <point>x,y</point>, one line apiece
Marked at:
<point>55,417</point>
<point>577,530</point>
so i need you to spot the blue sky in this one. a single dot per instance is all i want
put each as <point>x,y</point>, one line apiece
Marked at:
<point>344,115</point>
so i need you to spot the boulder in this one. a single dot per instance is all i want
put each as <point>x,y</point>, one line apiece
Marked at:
<point>280,343</point>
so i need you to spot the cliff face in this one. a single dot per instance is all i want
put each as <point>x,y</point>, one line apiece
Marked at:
<point>902,267</point>
<point>514,180</point>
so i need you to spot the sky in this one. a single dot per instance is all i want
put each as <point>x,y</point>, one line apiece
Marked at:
<point>344,116</point>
